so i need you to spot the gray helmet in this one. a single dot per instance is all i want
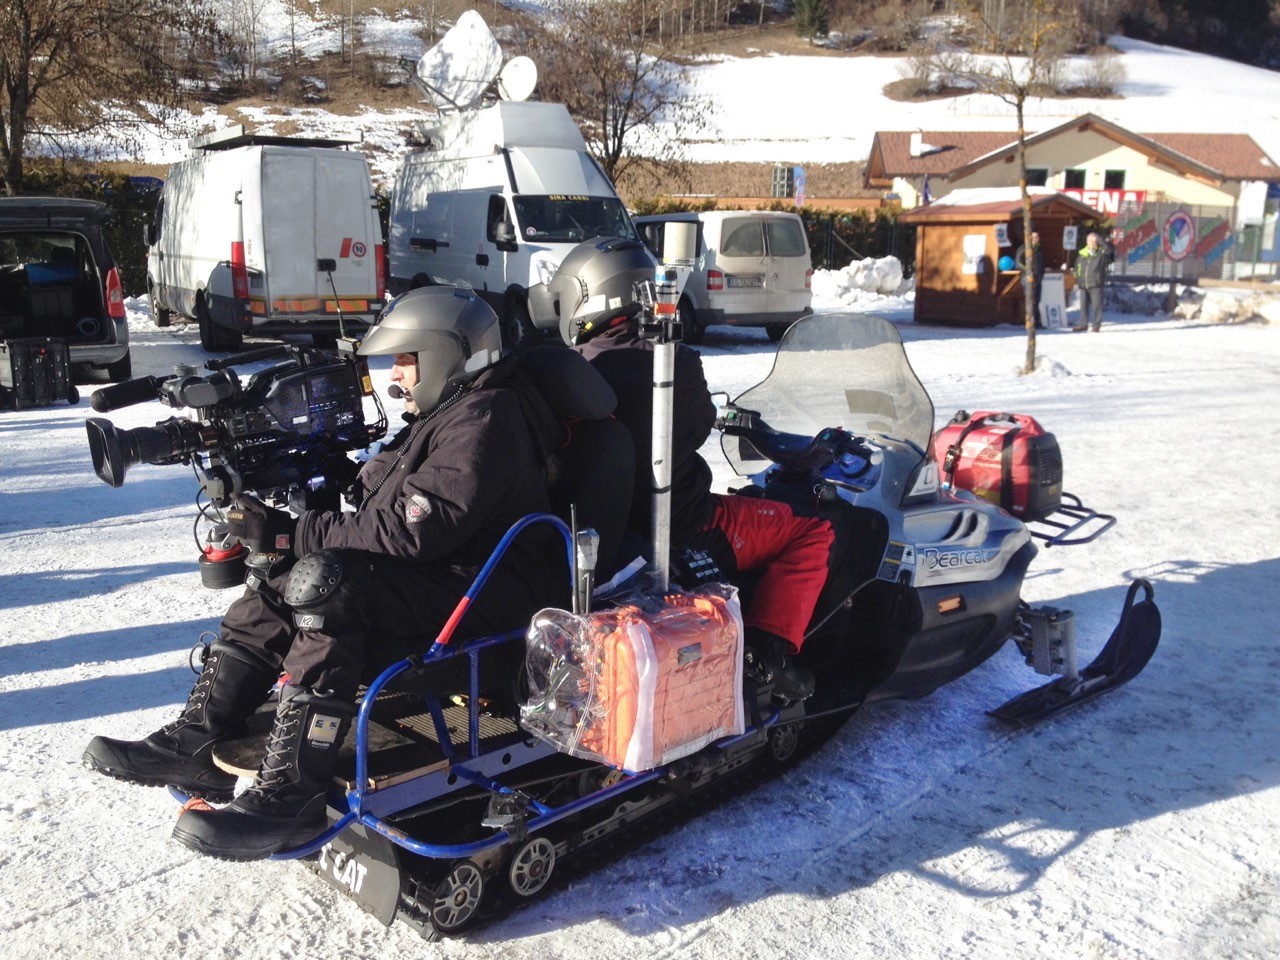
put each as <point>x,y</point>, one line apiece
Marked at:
<point>454,333</point>
<point>598,283</point>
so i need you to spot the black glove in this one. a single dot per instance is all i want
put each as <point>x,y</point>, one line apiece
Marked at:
<point>261,528</point>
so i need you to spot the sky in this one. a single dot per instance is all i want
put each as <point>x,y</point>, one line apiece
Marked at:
<point>1140,827</point>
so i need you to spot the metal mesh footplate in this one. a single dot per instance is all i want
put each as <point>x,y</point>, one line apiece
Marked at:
<point>403,741</point>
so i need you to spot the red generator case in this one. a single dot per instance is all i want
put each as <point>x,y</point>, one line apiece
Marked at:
<point>1005,458</point>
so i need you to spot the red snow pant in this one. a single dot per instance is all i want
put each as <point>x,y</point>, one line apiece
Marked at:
<point>791,551</point>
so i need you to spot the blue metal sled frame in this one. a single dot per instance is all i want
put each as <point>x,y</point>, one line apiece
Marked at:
<point>465,763</point>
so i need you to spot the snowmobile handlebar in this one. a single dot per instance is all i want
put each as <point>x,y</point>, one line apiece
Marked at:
<point>789,450</point>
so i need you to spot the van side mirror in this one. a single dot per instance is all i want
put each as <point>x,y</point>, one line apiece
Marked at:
<point>504,235</point>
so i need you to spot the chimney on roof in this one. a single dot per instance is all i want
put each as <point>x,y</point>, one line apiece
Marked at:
<point>918,147</point>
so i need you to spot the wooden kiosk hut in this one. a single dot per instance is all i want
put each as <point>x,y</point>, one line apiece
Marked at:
<point>962,239</point>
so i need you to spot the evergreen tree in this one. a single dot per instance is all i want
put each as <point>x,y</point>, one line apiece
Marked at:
<point>813,19</point>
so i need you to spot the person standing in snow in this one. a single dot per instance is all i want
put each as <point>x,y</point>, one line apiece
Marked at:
<point>1037,273</point>
<point>599,316</point>
<point>351,593</point>
<point>1091,277</point>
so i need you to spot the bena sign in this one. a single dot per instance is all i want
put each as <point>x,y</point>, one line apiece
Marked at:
<point>1110,201</point>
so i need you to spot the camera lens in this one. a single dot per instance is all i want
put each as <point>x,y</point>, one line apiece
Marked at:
<point>114,451</point>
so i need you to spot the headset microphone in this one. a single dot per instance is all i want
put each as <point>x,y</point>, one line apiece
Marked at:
<point>395,392</point>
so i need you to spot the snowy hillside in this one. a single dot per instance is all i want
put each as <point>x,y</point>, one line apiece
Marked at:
<point>781,108</point>
<point>802,109</point>
<point>1139,828</point>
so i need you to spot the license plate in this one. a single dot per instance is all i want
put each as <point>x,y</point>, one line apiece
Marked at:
<point>744,281</point>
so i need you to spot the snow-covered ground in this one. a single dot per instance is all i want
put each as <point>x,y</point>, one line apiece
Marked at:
<point>1141,826</point>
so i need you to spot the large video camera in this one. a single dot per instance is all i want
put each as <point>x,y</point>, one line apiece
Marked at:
<point>284,435</point>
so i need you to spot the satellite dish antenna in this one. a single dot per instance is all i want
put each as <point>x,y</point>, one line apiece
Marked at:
<point>458,70</point>
<point>517,79</point>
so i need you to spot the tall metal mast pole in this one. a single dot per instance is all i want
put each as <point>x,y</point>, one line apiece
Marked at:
<point>663,327</point>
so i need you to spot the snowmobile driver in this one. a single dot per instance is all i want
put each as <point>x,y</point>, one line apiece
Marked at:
<point>366,587</point>
<point>596,287</point>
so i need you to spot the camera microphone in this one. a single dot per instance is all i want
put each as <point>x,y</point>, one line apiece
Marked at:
<point>125,394</point>
<point>395,392</point>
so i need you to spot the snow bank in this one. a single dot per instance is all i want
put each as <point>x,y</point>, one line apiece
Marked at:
<point>860,282</point>
<point>1229,306</point>
<point>1214,305</point>
<point>1145,299</point>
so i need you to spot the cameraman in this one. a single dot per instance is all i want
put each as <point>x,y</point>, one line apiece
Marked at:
<point>368,586</point>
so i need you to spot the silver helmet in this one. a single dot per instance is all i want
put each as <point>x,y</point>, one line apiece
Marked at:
<point>597,283</point>
<point>454,333</point>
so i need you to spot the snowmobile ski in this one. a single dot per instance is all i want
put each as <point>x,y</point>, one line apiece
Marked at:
<point>1126,652</point>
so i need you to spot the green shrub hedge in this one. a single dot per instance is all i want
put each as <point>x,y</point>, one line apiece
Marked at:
<point>132,208</point>
<point>836,237</point>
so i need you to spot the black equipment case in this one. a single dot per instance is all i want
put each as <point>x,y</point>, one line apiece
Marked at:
<point>35,372</point>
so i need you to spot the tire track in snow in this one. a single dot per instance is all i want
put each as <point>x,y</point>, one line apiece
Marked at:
<point>1000,745</point>
<point>35,916</point>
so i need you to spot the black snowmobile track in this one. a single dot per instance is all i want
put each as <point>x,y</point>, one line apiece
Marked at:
<point>585,843</point>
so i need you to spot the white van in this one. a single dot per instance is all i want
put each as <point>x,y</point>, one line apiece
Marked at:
<point>753,269</point>
<point>266,235</point>
<point>495,200</point>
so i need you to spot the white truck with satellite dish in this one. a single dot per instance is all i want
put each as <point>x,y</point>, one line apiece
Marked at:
<point>267,235</point>
<point>495,196</point>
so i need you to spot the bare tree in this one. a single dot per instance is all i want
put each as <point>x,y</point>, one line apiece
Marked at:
<point>609,64</point>
<point>1022,44</point>
<point>244,35</point>
<point>1099,74</point>
<point>75,67</point>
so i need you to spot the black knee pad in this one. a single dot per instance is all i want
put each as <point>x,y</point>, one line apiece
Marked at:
<point>323,591</point>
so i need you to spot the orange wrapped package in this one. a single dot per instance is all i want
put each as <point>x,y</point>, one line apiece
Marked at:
<point>639,685</point>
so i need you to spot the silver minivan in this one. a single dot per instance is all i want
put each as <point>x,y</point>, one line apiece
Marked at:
<point>753,269</point>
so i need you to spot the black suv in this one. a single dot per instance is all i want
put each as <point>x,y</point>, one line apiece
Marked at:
<point>58,279</point>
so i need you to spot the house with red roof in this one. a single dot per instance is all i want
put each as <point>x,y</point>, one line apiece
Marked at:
<point>1089,157</point>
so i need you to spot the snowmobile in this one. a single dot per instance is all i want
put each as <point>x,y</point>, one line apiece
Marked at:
<point>451,812</point>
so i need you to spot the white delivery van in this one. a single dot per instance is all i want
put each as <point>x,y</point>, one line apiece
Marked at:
<point>494,200</point>
<point>267,235</point>
<point>753,269</point>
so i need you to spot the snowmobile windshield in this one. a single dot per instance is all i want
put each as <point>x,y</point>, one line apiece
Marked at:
<point>840,370</point>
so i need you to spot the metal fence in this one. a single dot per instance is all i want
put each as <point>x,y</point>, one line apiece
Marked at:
<point>1165,240</point>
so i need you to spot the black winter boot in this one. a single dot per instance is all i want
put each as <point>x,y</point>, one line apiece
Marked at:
<point>771,656</point>
<point>233,682</point>
<point>285,807</point>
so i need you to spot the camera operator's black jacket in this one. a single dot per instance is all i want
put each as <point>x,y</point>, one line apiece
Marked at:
<point>626,363</point>
<point>450,484</point>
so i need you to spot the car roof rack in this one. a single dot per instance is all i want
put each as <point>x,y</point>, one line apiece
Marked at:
<point>237,136</point>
